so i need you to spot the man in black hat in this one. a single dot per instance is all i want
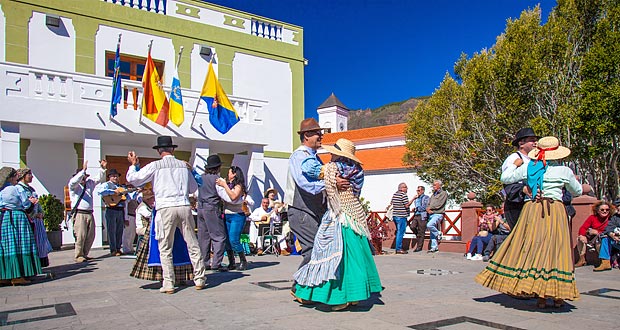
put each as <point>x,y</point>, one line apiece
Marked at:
<point>525,140</point>
<point>211,225</point>
<point>114,212</point>
<point>172,183</point>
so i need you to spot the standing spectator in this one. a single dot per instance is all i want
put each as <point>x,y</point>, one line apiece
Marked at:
<point>211,226</point>
<point>524,141</point>
<point>436,208</point>
<point>18,249</point>
<point>420,217</point>
<point>172,182</point>
<point>114,211</point>
<point>590,230</point>
<point>129,230</point>
<point>610,241</point>
<point>535,259</point>
<point>400,213</point>
<point>81,188</point>
<point>24,175</point>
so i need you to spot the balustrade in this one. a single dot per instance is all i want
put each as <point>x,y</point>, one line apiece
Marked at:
<point>155,6</point>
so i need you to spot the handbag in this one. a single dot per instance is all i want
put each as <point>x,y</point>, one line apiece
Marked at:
<point>389,214</point>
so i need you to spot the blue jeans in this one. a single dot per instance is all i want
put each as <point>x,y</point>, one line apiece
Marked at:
<point>401,226</point>
<point>115,221</point>
<point>433,220</point>
<point>478,243</point>
<point>234,226</point>
<point>606,246</point>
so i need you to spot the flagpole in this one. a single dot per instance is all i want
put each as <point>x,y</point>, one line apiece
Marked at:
<point>142,110</point>
<point>198,102</point>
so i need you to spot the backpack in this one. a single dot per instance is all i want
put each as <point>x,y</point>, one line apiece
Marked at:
<point>514,191</point>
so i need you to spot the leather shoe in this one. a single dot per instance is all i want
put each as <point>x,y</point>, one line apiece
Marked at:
<point>417,250</point>
<point>400,252</point>
<point>284,252</point>
<point>80,259</point>
<point>166,290</point>
<point>301,301</point>
<point>199,284</point>
<point>19,281</point>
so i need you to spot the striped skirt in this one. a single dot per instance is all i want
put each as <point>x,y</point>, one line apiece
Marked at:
<point>18,250</point>
<point>143,271</point>
<point>43,244</point>
<point>536,257</point>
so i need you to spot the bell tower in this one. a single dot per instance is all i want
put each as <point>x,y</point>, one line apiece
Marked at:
<point>333,114</point>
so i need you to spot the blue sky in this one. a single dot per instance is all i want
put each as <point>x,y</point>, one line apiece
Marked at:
<point>374,52</point>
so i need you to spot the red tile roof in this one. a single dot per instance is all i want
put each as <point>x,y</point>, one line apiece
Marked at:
<point>389,131</point>
<point>378,158</point>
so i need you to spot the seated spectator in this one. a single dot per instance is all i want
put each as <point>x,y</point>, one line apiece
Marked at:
<point>487,223</point>
<point>610,241</point>
<point>502,230</point>
<point>589,232</point>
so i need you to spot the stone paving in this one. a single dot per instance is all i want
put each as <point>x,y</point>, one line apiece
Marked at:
<point>422,291</point>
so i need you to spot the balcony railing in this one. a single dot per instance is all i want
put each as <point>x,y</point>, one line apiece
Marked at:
<point>155,6</point>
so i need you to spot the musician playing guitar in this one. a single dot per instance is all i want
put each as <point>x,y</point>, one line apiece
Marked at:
<point>114,212</point>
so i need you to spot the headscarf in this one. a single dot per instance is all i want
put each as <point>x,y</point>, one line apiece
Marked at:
<point>353,172</point>
<point>535,173</point>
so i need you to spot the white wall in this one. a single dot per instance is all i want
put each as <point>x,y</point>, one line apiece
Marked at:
<point>49,47</point>
<point>2,35</point>
<point>53,164</point>
<point>265,79</point>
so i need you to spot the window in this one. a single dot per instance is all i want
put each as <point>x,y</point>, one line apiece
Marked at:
<point>132,67</point>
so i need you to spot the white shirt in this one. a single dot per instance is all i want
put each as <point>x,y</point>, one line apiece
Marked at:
<point>76,188</point>
<point>257,214</point>
<point>172,181</point>
<point>511,160</point>
<point>142,211</point>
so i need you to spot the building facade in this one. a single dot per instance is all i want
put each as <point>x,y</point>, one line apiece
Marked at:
<point>56,64</point>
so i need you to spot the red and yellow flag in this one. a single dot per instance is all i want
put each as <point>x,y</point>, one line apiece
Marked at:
<point>154,102</point>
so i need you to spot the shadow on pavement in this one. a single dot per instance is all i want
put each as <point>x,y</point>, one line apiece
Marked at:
<point>68,270</point>
<point>261,264</point>
<point>528,305</point>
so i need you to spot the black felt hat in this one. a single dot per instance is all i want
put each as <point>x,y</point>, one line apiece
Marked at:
<point>522,134</point>
<point>112,172</point>
<point>213,161</point>
<point>164,141</point>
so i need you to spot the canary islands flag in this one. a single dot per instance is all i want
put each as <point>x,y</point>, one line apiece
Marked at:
<point>177,115</point>
<point>222,115</point>
<point>154,101</point>
<point>117,93</point>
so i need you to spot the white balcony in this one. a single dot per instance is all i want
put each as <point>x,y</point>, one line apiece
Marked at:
<point>72,100</point>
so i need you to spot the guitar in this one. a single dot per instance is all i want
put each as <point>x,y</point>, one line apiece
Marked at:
<point>119,196</point>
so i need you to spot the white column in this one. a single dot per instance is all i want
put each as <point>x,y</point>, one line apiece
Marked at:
<point>92,154</point>
<point>200,152</point>
<point>256,170</point>
<point>9,144</point>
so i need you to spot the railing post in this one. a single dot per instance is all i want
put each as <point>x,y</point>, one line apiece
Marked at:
<point>469,217</point>
<point>583,207</point>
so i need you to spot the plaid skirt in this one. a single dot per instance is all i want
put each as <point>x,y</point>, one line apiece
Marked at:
<point>536,257</point>
<point>143,271</point>
<point>18,249</point>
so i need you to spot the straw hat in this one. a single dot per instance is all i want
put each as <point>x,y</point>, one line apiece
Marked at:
<point>21,173</point>
<point>344,148</point>
<point>5,174</point>
<point>549,148</point>
<point>270,190</point>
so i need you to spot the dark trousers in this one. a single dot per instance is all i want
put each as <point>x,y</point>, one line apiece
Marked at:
<point>304,226</point>
<point>418,227</point>
<point>211,235</point>
<point>512,212</point>
<point>115,221</point>
<point>494,243</point>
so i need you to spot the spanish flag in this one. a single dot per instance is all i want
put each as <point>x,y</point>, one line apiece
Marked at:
<point>222,115</point>
<point>177,116</point>
<point>154,101</point>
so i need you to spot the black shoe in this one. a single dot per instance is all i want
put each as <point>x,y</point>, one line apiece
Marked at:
<point>222,269</point>
<point>243,265</point>
<point>417,250</point>
<point>486,258</point>
<point>208,268</point>
<point>401,252</point>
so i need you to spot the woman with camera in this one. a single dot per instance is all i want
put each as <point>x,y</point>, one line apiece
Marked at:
<point>589,232</point>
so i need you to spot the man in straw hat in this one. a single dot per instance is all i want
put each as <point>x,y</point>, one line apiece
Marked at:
<point>304,196</point>
<point>524,141</point>
<point>172,182</point>
<point>535,259</point>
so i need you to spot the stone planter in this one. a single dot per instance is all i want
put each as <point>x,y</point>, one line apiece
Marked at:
<point>55,238</point>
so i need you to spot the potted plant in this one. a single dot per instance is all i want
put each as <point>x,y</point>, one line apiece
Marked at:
<point>53,215</point>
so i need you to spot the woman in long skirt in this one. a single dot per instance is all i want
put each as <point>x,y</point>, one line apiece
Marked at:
<point>342,270</point>
<point>18,250</point>
<point>141,268</point>
<point>535,259</point>
<point>24,176</point>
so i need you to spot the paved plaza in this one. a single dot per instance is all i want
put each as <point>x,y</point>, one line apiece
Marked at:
<point>422,291</point>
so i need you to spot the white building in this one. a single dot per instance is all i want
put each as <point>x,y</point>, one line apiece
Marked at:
<point>56,63</point>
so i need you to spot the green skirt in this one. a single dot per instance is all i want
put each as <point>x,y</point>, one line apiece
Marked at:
<point>358,275</point>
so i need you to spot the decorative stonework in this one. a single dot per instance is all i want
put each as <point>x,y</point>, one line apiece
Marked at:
<point>185,10</point>
<point>234,21</point>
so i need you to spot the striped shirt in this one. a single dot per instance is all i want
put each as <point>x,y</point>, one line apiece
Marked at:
<point>399,204</point>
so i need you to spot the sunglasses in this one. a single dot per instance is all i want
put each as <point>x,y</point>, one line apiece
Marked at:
<point>603,210</point>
